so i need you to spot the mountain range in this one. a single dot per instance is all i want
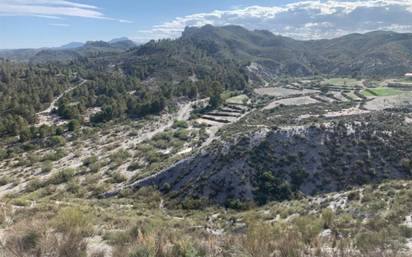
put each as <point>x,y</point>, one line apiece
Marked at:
<point>379,53</point>
<point>67,52</point>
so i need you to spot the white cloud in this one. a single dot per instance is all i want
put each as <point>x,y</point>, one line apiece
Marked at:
<point>51,9</point>
<point>310,19</point>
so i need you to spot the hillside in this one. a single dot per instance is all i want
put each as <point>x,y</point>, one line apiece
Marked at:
<point>280,164</point>
<point>372,54</point>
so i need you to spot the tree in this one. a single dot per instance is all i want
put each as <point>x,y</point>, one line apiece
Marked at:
<point>73,125</point>
<point>216,89</point>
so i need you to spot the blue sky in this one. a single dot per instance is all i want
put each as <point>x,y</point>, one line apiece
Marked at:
<point>45,23</point>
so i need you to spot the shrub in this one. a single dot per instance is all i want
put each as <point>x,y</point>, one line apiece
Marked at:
<point>73,125</point>
<point>62,176</point>
<point>180,124</point>
<point>46,167</point>
<point>90,160</point>
<point>134,166</point>
<point>72,220</point>
<point>55,156</point>
<point>4,180</point>
<point>73,187</point>
<point>55,141</point>
<point>182,134</point>
<point>140,251</point>
<point>3,154</point>
<point>328,218</point>
<point>406,164</point>
<point>34,185</point>
<point>119,157</point>
<point>118,177</point>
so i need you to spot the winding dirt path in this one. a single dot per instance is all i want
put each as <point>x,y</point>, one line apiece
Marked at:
<point>46,117</point>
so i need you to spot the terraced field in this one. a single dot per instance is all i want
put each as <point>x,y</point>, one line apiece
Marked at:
<point>343,82</point>
<point>381,91</point>
<point>282,92</point>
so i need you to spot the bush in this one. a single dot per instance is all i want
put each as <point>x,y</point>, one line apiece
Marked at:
<point>55,156</point>
<point>118,177</point>
<point>328,218</point>
<point>134,166</point>
<point>46,167</point>
<point>119,157</point>
<point>34,185</point>
<point>182,134</point>
<point>406,164</point>
<point>73,125</point>
<point>90,160</point>
<point>72,220</point>
<point>62,176</point>
<point>56,141</point>
<point>140,251</point>
<point>180,124</point>
<point>3,154</point>
<point>5,180</point>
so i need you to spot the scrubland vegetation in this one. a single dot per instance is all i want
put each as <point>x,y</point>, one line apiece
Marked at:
<point>204,146</point>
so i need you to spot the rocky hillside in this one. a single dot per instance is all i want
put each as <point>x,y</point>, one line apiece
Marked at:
<point>281,164</point>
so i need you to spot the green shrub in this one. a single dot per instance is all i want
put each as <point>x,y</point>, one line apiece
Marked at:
<point>134,166</point>
<point>46,167</point>
<point>117,238</point>
<point>118,177</point>
<point>180,124</point>
<point>4,180</point>
<point>73,220</point>
<point>55,156</point>
<point>34,185</point>
<point>140,251</point>
<point>62,176</point>
<point>30,240</point>
<point>119,157</point>
<point>182,134</point>
<point>406,164</point>
<point>55,141</point>
<point>3,154</point>
<point>90,160</point>
<point>328,218</point>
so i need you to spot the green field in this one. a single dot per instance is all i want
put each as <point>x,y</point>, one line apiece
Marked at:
<point>240,99</point>
<point>342,82</point>
<point>381,91</point>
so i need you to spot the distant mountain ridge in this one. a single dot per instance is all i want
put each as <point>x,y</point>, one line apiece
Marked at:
<point>72,45</point>
<point>374,53</point>
<point>379,53</point>
<point>68,51</point>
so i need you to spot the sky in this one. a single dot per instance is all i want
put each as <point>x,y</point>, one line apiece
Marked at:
<point>50,23</point>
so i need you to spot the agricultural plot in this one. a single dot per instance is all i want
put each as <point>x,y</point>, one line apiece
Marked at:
<point>342,82</point>
<point>302,100</point>
<point>282,92</point>
<point>384,102</point>
<point>381,91</point>
<point>240,99</point>
<point>338,96</point>
<point>352,96</point>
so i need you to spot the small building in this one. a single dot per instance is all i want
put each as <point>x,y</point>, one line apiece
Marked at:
<point>408,75</point>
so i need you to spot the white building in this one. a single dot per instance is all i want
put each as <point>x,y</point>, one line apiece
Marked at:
<point>408,75</point>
